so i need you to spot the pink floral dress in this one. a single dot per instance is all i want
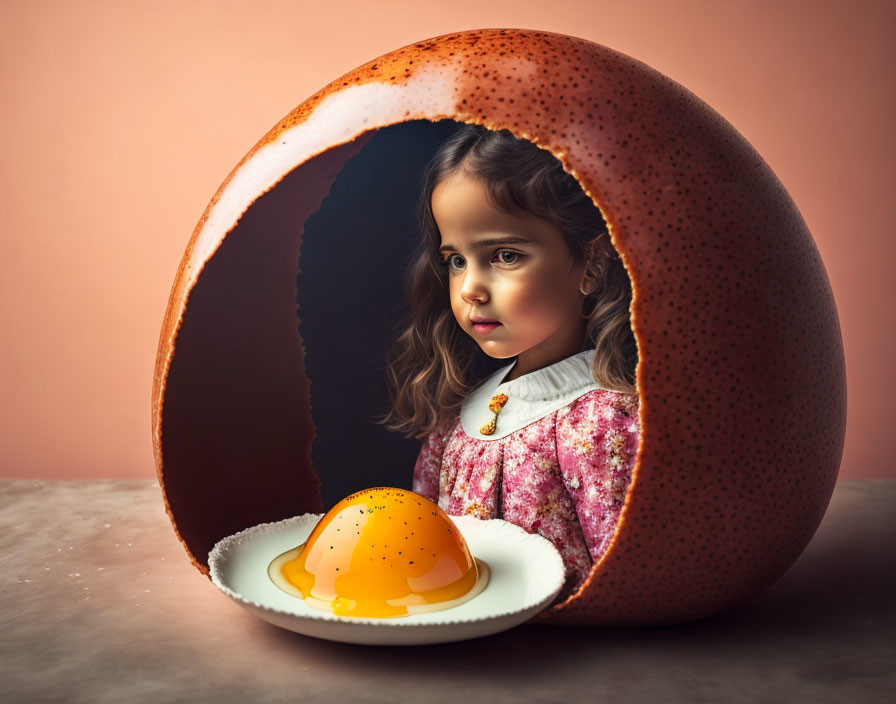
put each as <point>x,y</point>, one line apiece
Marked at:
<point>557,462</point>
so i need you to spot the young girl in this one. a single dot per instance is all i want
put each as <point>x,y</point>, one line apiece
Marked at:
<point>516,262</point>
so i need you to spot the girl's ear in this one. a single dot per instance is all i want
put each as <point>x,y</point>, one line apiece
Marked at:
<point>589,283</point>
<point>593,269</point>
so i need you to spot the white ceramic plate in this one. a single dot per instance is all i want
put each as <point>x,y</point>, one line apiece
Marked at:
<point>526,574</point>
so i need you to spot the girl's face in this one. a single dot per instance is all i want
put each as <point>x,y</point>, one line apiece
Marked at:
<point>513,285</point>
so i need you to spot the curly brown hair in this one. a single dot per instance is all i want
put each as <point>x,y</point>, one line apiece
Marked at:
<point>430,362</point>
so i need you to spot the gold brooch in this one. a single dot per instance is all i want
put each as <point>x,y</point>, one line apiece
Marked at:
<point>495,406</point>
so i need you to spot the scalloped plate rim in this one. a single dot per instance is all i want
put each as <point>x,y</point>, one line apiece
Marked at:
<point>418,629</point>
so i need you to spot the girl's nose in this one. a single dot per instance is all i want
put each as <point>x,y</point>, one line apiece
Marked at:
<point>473,288</point>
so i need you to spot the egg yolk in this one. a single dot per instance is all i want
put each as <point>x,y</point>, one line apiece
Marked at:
<point>381,552</point>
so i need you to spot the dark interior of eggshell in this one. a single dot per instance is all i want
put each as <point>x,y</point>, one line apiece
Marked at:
<point>352,304</point>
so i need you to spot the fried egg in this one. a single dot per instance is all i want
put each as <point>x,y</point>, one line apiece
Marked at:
<point>380,553</point>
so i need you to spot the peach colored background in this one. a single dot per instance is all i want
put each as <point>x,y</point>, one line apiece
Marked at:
<point>120,120</point>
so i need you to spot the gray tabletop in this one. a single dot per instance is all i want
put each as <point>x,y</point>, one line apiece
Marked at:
<point>99,603</point>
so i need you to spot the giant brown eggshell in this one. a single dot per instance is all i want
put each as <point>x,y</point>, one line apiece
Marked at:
<point>741,372</point>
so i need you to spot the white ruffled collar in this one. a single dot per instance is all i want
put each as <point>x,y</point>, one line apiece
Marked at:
<point>529,397</point>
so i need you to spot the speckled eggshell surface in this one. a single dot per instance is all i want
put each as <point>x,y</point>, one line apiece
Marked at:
<point>741,371</point>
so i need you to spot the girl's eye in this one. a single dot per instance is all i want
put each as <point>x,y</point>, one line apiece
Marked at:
<point>453,261</point>
<point>507,257</point>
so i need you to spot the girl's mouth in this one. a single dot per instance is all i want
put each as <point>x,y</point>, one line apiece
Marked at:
<point>484,328</point>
